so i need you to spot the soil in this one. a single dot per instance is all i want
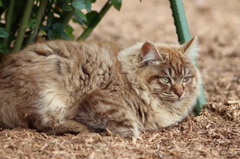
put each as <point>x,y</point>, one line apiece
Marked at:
<point>213,134</point>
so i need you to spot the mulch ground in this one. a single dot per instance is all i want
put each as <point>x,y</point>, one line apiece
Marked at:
<point>215,133</point>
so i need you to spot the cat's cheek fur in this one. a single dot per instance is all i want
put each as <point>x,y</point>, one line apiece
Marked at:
<point>172,113</point>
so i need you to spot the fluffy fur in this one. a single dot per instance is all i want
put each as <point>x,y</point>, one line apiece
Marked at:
<point>68,86</point>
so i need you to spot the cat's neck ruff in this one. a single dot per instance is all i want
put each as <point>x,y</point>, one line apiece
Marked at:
<point>130,62</point>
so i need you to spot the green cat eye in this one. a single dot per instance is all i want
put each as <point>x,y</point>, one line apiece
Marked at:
<point>186,79</point>
<point>165,79</point>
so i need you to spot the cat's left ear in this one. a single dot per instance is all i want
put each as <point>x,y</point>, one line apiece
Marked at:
<point>190,48</point>
<point>149,52</point>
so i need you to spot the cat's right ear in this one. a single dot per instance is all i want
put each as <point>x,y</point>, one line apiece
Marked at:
<point>190,48</point>
<point>149,53</point>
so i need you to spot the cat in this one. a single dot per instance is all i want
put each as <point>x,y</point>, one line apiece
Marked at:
<point>74,86</point>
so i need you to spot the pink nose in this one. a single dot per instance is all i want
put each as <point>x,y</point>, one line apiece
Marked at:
<point>179,93</point>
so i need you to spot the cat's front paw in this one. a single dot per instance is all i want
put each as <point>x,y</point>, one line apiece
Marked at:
<point>124,131</point>
<point>70,126</point>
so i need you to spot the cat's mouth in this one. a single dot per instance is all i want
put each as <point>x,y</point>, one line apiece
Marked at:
<point>168,97</point>
<point>173,99</point>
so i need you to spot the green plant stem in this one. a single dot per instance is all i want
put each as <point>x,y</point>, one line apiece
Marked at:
<point>183,33</point>
<point>180,21</point>
<point>67,17</point>
<point>8,22</point>
<point>39,15</point>
<point>23,25</point>
<point>89,30</point>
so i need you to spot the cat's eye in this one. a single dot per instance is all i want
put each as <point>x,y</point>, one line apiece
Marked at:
<point>186,79</point>
<point>165,79</point>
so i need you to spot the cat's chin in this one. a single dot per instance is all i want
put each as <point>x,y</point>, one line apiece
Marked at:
<point>172,100</point>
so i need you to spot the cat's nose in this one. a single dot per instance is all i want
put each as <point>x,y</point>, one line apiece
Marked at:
<point>178,89</point>
<point>179,93</point>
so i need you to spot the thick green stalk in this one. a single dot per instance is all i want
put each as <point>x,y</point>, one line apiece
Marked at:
<point>89,30</point>
<point>39,15</point>
<point>180,21</point>
<point>68,17</point>
<point>23,25</point>
<point>183,33</point>
<point>8,22</point>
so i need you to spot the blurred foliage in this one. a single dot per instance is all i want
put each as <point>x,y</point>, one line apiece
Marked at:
<point>23,21</point>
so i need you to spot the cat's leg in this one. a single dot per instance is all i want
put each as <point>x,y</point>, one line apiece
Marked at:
<point>121,122</point>
<point>102,112</point>
<point>69,126</point>
<point>124,125</point>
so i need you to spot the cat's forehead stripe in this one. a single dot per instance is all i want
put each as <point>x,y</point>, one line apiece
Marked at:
<point>186,71</point>
<point>172,72</point>
<point>167,72</point>
<point>183,71</point>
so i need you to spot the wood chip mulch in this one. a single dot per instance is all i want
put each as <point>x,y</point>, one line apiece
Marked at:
<point>215,133</point>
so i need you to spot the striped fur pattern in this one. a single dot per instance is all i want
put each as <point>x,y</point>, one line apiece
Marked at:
<point>68,86</point>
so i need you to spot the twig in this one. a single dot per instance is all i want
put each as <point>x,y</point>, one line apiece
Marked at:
<point>23,25</point>
<point>40,12</point>
<point>68,17</point>
<point>8,22</point>
<point>89,30</point>
<point>232,102</point>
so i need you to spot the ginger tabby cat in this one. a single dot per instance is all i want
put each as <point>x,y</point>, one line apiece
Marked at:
<point>68,86</point>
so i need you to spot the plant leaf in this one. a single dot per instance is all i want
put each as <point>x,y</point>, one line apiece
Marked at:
<point>69,32</point>
<point>34,20</point>
<point>30,25</point>
<point>92,18</point>
<point>44,28</point>
<point>81,15</point>
<point>1,45</point>
<point>117,4</point>
<point>51,34</point>
<point>79,4</point>
<point>50,19</point>
<point>88,5</point>
<point>66,7</point>
<point>64,35</point>
<point>77,19</point>
<point>58,27</point>
<point>3,33</point>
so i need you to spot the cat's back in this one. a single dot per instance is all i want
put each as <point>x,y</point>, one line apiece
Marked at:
<point>53,75</point>
<point>81,51</point>
<point>71,63</point>
<point>62,58</point>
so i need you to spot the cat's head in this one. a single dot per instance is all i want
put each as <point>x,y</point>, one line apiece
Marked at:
<point>169,71</point>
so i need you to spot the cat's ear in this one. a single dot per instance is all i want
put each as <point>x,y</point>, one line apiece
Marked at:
<point>149,52</point>
<point>190,48</point>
